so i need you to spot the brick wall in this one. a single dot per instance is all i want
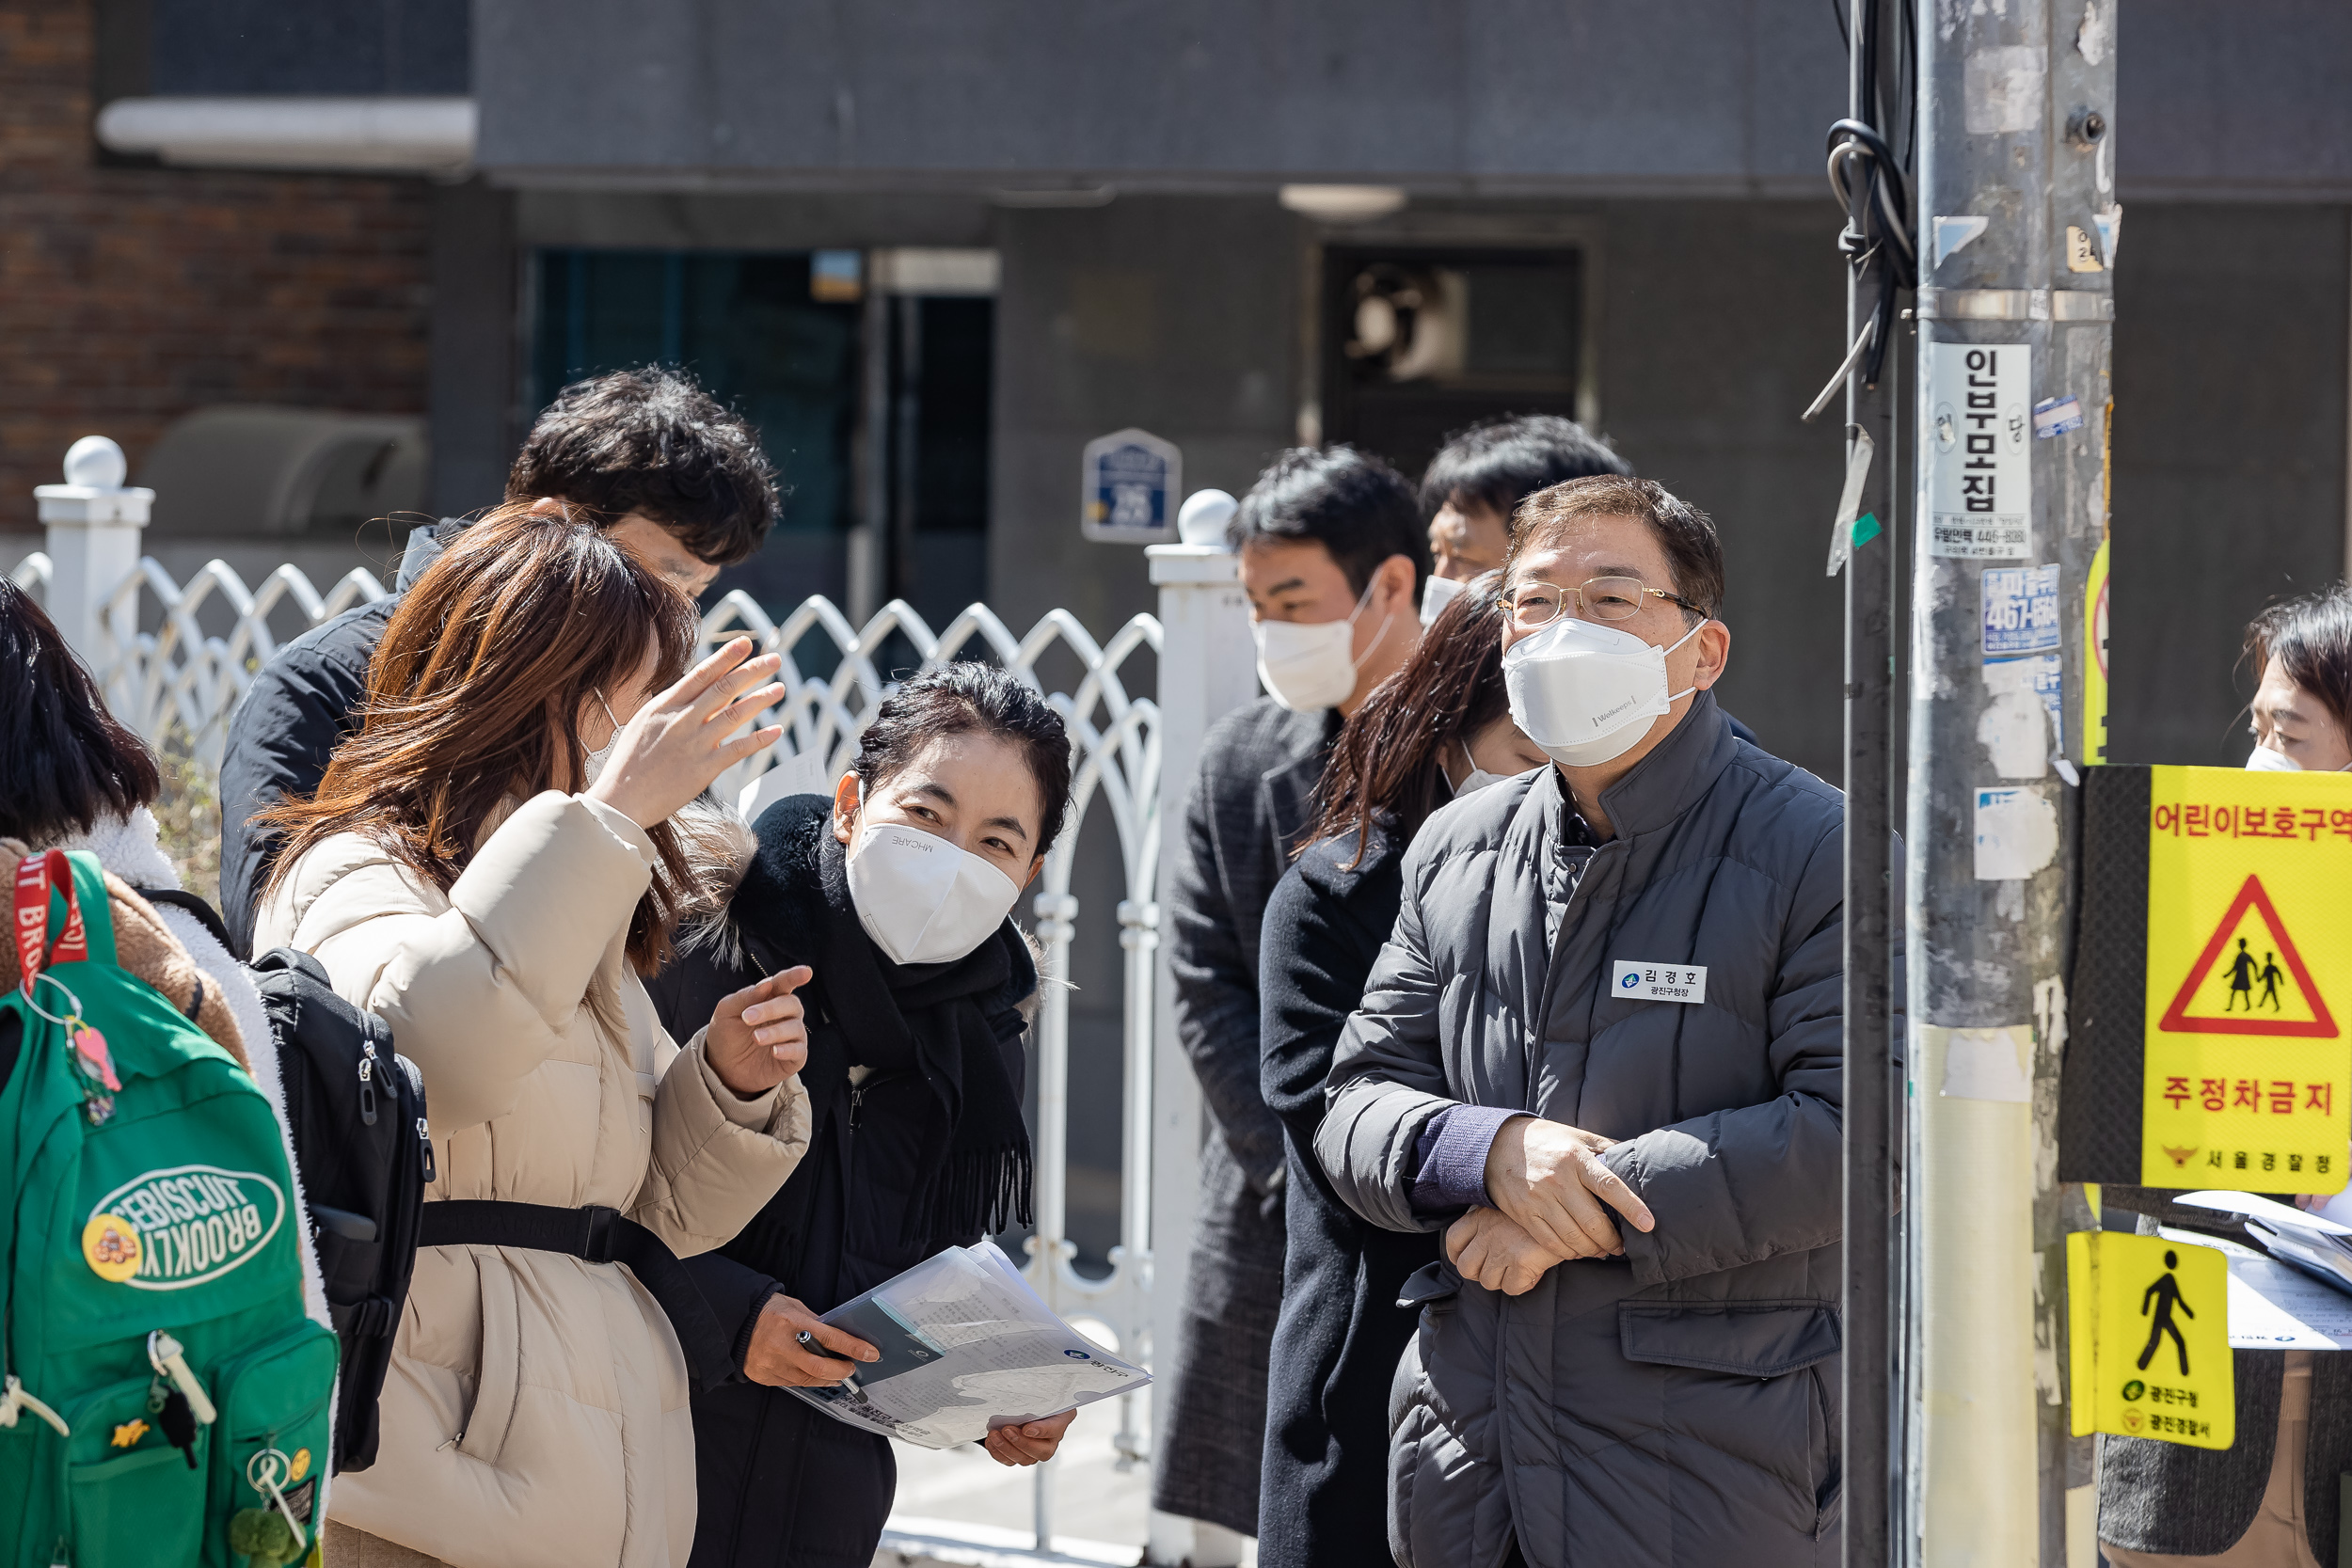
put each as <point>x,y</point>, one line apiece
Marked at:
<point>129,296</point>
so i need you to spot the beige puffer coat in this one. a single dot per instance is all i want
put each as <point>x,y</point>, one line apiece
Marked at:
<point>535,1413</point>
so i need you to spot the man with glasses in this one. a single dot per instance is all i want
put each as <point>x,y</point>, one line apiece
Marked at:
<point>1602,1050</point>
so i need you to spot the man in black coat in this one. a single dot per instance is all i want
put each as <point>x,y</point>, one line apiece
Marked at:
<point>1331,558</point>
<point>670,472</point>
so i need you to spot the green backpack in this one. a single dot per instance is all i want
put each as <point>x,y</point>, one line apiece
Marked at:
<point>166,1401</point>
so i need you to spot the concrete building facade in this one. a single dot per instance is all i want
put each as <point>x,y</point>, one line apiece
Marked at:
<point>937,246</point>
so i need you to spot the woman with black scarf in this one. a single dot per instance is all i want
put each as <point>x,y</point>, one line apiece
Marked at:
<point>880,918</point>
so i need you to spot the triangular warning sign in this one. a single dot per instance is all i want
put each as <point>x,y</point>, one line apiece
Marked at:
<point>2252,980</point>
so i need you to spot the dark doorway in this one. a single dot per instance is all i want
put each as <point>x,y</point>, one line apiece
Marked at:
<point>1419,341</point>
<point>942,365</point>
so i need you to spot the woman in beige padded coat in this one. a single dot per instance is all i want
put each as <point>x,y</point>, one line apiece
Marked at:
<point>489,867</point>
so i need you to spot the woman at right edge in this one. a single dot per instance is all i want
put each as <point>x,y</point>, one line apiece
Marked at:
<point>1435,730</point>
<point>897,893</point>
<point>2273,1498</point>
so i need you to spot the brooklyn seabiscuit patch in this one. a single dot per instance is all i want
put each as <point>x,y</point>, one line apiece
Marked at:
<point>193,1224</point>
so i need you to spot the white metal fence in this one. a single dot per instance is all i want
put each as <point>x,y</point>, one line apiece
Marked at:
<point>175,658</point>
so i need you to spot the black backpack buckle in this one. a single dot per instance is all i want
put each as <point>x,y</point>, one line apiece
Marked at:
<point>598,1235</point>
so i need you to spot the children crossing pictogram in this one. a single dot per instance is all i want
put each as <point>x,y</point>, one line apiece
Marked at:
<point>2240,969</point>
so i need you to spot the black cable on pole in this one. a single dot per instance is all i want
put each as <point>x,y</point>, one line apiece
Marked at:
<point>1877,243</point>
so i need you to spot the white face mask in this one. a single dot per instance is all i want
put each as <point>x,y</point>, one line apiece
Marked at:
<point>1587,693</point>
<point>1310,667</point>
<point>1477,778</point>
<point>2263,760</point>
<point>923,901</point>
<point>597,758</point>
<point>1436,594</point>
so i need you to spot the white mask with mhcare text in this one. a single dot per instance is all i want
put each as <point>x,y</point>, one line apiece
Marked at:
<point>1585,693</point>
<point>922,899</point>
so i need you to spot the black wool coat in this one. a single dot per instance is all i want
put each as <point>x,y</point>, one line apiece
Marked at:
<point>1246,812</point>
<point>1322,1500</point>
<point>781,1484</point>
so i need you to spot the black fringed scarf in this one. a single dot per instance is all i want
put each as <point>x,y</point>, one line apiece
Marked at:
<point>946,1020</point>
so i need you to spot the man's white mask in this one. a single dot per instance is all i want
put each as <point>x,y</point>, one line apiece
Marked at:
<point>1436,594</point>
<point>1587,693</point>
<point>1306,667</point>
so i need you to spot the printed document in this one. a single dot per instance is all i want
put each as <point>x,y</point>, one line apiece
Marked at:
<point>966,1347</point>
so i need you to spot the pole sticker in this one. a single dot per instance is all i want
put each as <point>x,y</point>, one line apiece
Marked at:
<point>1979,475</point>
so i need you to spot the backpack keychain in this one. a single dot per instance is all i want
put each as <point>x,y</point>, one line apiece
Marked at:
<point>185,1403</point>
<point>94,1067</point>
<point>267,1536</point>
<point>93,1062</point>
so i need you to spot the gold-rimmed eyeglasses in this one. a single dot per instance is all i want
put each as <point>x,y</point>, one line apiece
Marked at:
<point>1539,604</point>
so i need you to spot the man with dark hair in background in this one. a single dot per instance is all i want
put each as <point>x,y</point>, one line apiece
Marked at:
<point>1481,474</point>
<point>651,456</point>
<point>1330,549</point>
<point>1477,481</point>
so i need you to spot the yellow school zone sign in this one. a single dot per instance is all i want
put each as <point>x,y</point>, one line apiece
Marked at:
<point>2248,981</point>
<point>2149,1339</point>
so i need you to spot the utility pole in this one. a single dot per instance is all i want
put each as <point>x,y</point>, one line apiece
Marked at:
<point>2017,227</point>
<point>1866,170</point>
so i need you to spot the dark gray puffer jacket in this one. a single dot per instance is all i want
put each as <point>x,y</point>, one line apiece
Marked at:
<point>1678,1407</point>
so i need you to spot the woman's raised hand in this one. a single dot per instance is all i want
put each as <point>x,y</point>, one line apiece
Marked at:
<point>758,1035</point>
<point>672,747</point>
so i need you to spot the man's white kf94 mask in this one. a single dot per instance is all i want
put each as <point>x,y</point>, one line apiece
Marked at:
<point>1306,667</point>
<point>922,899</point>
<point>1436,594</point>
<point>1587,693</point>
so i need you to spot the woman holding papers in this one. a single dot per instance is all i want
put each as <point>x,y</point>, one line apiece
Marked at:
<point>895,894</point>
<point>2271,1499</point>
<point>1437,730</point>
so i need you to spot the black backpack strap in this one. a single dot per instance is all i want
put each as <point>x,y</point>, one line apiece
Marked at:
<point>205,915</point>
<point>594,1234</point>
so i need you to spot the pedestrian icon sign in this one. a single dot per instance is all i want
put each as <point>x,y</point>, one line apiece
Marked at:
<point>2157,1304</point>
<point>2250,978</point>
<point>2246,1069</point>
<point>2148,1318</point>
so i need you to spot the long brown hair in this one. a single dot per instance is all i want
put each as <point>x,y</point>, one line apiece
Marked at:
<point>476,685</point>
<point>1386,766</point>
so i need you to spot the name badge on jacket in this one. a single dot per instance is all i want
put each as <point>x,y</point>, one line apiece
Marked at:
<point>1636,981</point>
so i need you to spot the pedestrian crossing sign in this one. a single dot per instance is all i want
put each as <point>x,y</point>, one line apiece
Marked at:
<point>2148,1325</point>
<point>2247,1083</point>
